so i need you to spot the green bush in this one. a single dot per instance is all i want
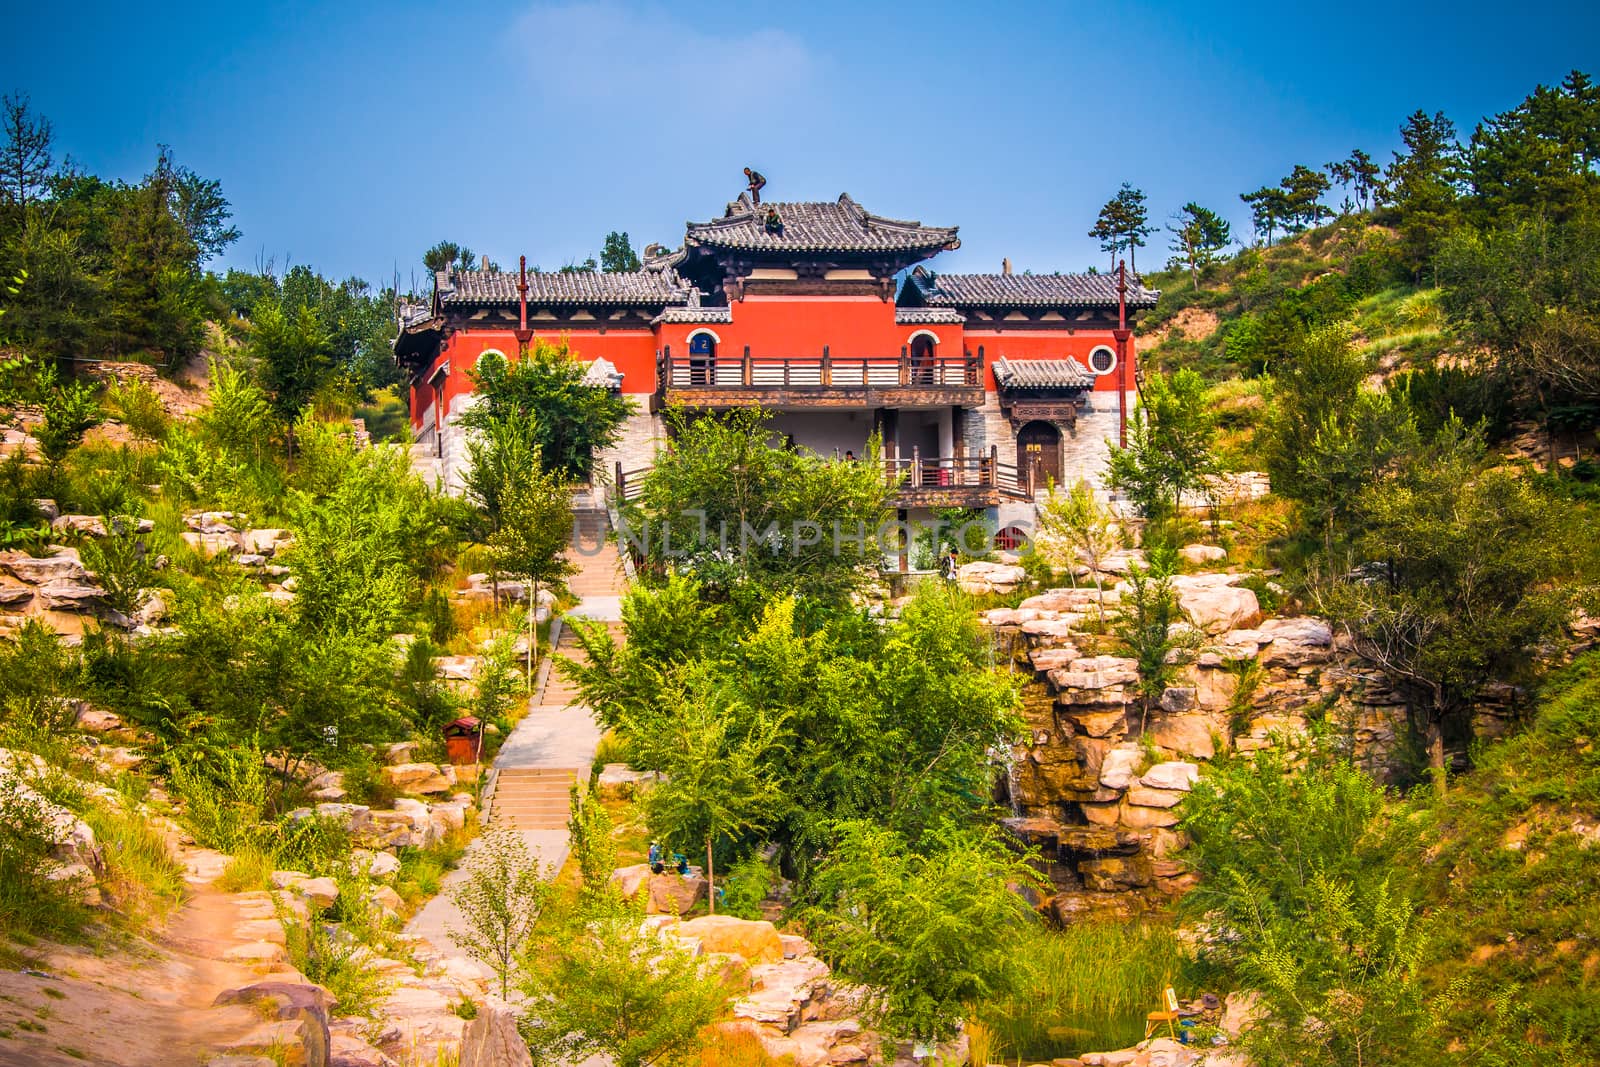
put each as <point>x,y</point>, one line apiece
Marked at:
<point>224,804</point>
<point>745,886</point>
<point>32,902</point>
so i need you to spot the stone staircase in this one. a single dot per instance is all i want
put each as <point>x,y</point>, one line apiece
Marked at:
<point>600,567</point>
<point>533,798</point>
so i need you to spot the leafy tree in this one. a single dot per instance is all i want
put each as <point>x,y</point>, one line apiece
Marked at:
<point>70,411</point>
<point>446,254</point>
<point>928,933</point>
<point>1421,183</point>
<point>608,983</point>
<point>741,514</point>
<point>1075,529</point>
<point>501,900</point>
<point>1290,851</point>
<point>1302,197</point>
<point>294,354</point>
<point>1123,223</point>
<point>618,254</point>
<point>1149,626</point>
<point>26,159</point>
<point>1317,379</point>
<point>1361,175</point>
<point>534,528</point>
<point>1199,235</point>
<point>569,420</point>
<point>120,562</point>
<point>589,829</point>
<point>1353,448</point>
<point>1170,444</point>
<point>1537,162</point>
<point>1466,587</point>
<point>1269,208</point>
<point>1529,295</point>
<point>717,780</point>
<point>202,210</point>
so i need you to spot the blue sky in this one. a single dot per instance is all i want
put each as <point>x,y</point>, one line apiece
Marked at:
<point>351,136</point>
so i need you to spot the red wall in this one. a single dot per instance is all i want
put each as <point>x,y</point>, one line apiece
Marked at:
<point>1035,344</point>
<point>633,352</point>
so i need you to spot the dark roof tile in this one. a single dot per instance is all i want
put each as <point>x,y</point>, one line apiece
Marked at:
<point>1027,290</point>
<point>1041,374</point>
<point>644,288</point>
<point>836,226</point>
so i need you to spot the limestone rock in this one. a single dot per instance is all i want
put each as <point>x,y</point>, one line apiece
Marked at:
<point>674,894</point>
<point>757,941</point>
<point>979,577</point>
<point>96,721</point>
<point>64,594</point>
<point>264,542</point>
<point>1213,604</point>
<point>1116,772</point>
<point>1173,774</point>
<point>301,1003</point>
<point>491,1040</point>
<point>416,778</point>
<point>62,565</point>
<point>1200,555</point>
<point>1145,797</point>
<point>12,595</point>
<point>1190,735</point>
<point>1296,642</point>
<point>618,781</point>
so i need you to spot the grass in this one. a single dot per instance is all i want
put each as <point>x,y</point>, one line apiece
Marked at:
<point>422,870</point>
<point>335,962</point>
<point>143,882</point>
<point>249,870</point>
<point>1086,987</point>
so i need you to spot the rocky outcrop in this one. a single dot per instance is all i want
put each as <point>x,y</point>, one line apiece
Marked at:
<point>491,1039</point>
<point>302,1005</point>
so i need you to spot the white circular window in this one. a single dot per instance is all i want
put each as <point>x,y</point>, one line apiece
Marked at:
<point>1103,360</point>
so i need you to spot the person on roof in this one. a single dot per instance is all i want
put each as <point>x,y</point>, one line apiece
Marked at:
<point>756,182</point>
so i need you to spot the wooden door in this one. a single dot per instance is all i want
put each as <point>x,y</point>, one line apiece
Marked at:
<point>1039,451</point>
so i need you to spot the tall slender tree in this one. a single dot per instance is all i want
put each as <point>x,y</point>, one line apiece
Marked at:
<point>618,255</point>
<point>1198,236</point>
<point>1123,223</point>
<point>25,159</point>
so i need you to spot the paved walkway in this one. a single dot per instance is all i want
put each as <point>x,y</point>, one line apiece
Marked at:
<point>554,743</point>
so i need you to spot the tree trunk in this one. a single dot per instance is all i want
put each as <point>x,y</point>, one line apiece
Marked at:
<point>711,880</point>
<point>1436,768</point>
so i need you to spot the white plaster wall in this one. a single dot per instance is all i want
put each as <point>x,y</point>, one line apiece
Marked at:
<point>825,432</point>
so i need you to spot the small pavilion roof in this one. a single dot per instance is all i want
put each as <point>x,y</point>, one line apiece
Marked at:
<point>1041,374</point>
<point>1026,290</point>
<point>841,226</point>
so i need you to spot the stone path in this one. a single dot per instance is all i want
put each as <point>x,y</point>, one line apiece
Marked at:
<point>555,743</point>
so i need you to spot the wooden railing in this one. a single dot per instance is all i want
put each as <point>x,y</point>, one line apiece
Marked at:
<point>918,473</point>
<point>884,372</point>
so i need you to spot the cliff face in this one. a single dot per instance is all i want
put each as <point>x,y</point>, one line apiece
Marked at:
<point>1098,786</point>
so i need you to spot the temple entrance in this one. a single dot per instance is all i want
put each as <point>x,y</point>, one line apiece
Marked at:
<point>922,361</point>
<point>702,359</point>
<point>1039,451</point>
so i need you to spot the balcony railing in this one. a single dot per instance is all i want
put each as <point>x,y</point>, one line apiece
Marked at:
<point>904,371</point>
<point>962,481</point>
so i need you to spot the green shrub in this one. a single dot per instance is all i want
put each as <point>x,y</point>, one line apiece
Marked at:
<point>32,902</point>
<point>143,881</point>
<point>137,404</point>
<point>250,870</point>
<point>316,844</point>
<point>224,804</point>
<point>745,886</point>
<point>337,963</point>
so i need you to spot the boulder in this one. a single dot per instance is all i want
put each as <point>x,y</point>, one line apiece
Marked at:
<point>980,577</point>
<point>96,721</point>
<point>674,894</point>
<point>631,880</point>
<point>416,778</point>
<point>14,594</point>
<point>1145,797</point>
<point>1296,642</point>
<point>263,542</point>
<point>1116,770</point>
<point>295,1002</point>
<point>757,941</point>
<point>491,1039</point>
<point>1139,817</point>
<point>64,594</point>
<point>1200,555</point>
<point>62,565</point>
<point>1214,605</point>
<point>618,781</point>
<point>1174,774</point>
<point>1189,735</point>
<point>400,752</point>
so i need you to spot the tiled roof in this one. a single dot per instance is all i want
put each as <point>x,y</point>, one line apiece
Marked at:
<point>413,313</point>
<point>927,316</point>
<point>1027,290</point>
<point>644,288</point>
<point>832,226</point>
<point>1041,374</point>
<point>694,314</point>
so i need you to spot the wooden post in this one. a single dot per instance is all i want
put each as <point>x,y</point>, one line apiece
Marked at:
<point>827,367</point>
<point>749,376</point>
<point>622,484</point>
<point>905,365</point>
<point>666,362</point>
<point>993,473</point>
<point>905,540</point>
<point>916,466</point>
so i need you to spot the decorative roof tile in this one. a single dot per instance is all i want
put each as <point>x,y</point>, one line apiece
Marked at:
<point>1041,374</point>
<point>694,314</point>
<point>1027,290</point>
<point>643,288</point>
<point>927,316</point>
<point>807,226</point>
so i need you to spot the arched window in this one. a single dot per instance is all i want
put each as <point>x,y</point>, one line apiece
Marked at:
<point>1103,360</point>
<point>702,358</point>
<point>1010,539</point>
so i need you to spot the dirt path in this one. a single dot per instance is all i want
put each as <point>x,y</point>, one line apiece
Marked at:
<point>132,1003</point>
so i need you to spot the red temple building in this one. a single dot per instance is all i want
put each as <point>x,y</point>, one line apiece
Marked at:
<point>983,386</point>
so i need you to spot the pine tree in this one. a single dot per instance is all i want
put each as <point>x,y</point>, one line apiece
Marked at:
<point>1123,224</point>
<point>1199,235</point>
<point>25,160</point>
<point>618,255</point>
